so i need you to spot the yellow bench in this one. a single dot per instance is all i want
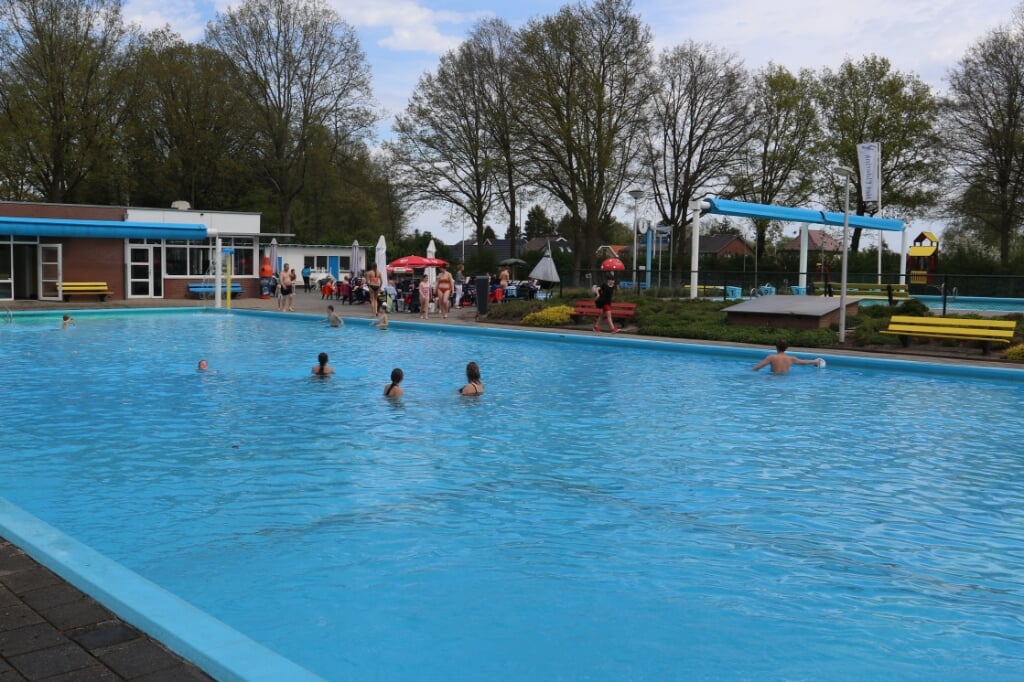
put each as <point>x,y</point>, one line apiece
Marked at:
<point>960,329</point>
<point>95,288</point>
<point>878,292</point>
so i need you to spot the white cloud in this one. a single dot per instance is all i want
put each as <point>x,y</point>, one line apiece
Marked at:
<point>188,19</point>
<point>925,38</point>
<point>408,26</point>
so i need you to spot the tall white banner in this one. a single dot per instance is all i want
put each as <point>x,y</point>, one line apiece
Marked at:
<point>869,156</point>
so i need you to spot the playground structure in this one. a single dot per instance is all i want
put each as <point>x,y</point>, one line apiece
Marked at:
<point>923,259</point>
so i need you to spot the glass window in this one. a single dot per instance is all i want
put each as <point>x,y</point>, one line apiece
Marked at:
<point>199,260</point>
<point>177,259</point>
<point>243,263</point>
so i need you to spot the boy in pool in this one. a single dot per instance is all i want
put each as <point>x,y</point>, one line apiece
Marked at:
<point>382,321</point>
<point>781,362</point>
<point>333,318</point>
<point>68,321</point>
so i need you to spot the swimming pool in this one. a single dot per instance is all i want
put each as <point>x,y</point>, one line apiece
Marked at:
<point>969,303</point>
<point>610,509</point>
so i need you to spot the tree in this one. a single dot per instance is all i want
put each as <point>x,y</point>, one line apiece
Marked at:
<point>185,132</point>
<point>870,102</point>
<point>443,147</point>
<point>538,224</point>
<point>581,79</point>
<point>493,43</point>
<point>783,156</point>
<point>303,71</point>
<point>61,80</point>
<point>984,117</point>
<point>698,129</point>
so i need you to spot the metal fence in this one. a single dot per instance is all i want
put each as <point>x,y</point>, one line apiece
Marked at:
<point>664,282</point>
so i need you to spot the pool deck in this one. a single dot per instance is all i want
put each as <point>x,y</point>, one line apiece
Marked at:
<point>49,630</point>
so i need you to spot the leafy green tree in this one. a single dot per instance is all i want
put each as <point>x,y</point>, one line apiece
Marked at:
<point>492,42</point>
<point>698,130</point>
<point>783,157</point>
<point>62,71</point>
<point>984,126</point>
<point>581,80</point>
<point>443,148</point>
<point>538,224</point>
<point>868,101</point>
<point>185,134</point>
<point>303,71</point>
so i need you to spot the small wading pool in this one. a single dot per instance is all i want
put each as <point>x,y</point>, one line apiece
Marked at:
<point>610,509</point>
<point>971,303</point>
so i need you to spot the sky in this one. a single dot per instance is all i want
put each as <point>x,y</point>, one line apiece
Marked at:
<point>403,39</point>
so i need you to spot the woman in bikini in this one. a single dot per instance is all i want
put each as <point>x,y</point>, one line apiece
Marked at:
<point>444,291</point>
<point>373,282</point>
<point>393,390</point>
<point>473,384</point>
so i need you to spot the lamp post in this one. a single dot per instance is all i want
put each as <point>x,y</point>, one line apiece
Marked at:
<point>637,195</point>
<point>847,174</point>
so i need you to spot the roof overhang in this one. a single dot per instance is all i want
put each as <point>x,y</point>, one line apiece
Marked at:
<point>99,229</point>
<point>745,209</point>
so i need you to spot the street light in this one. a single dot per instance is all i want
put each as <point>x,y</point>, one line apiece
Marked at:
<point>847,174</point>
<point>637,195</point>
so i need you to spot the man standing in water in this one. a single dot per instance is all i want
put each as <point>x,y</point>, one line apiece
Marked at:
<point>781,362</point>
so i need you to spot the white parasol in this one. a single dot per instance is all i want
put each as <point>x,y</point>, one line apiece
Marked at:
<point>273,255</point>
<point>431,271</point>
<point>357,259</point>
<point>380,255</point>
<point>545,270</point>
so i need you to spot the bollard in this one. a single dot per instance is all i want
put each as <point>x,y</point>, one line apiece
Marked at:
<point>483,290</point>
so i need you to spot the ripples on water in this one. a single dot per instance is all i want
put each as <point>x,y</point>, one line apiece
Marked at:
<point>602,512</point>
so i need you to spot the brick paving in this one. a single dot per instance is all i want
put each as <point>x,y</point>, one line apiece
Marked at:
<point>50,630</point>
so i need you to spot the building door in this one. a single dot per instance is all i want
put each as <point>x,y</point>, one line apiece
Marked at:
<point>50,272</point>
<point>141,272</point>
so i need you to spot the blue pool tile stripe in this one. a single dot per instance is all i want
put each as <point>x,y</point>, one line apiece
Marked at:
<point>218,649</point>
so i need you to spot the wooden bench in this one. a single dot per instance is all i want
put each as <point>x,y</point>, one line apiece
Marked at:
<point>877,292</point>
<point>622,311</point>
<point>961,329</point>
<point>208,289</point>
<point>100,289</point>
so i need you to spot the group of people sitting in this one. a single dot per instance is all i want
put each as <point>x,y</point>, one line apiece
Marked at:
<point>352,290</point>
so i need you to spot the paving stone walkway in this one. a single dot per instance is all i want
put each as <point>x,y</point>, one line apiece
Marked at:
<point>49,630</point>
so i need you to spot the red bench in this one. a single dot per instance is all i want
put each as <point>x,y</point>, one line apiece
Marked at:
<point>620,311</point>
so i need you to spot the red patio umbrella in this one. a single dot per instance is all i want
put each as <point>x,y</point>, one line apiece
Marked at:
<point>613,264</point>
<point>411,262</point>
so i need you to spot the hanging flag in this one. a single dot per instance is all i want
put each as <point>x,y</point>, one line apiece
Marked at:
<point>869,155</point>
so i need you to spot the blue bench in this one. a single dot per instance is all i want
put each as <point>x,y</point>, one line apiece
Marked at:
<point>208,289</point>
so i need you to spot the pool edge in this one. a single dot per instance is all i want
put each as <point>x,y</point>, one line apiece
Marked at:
<point>208,643</point>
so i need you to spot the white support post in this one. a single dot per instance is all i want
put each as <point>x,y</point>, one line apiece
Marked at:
<point>218,260</point>
<point>903,257</point>
<point>695,206</point>
<point>804,240</point>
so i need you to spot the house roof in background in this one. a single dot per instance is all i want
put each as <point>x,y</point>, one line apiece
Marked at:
<point>717,243</point>
<point>817,240</point>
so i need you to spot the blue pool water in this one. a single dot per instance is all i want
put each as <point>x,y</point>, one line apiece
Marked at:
<point>608,510</point>
<point>972,303</point>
